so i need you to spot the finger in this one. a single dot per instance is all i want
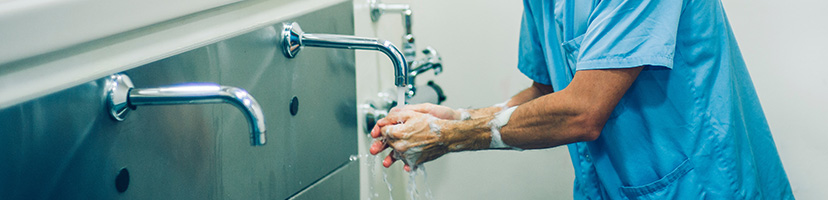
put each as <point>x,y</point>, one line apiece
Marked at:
<point>398,133</point>
<point>388,131</point>
<point>375,132</point>
<point>396,109</point>
<point>420,108</point>
<point>388,120</point>
<point>399,145</point>
<point>394,118</point>
<point>388,161</point>
<point>407,168</point>
<point>438,111</point>
<point>377,147</point>
<point>378,131</point>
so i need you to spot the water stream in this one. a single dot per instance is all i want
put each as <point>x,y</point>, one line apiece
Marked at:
<point>401,95</point>
<point>375,161</point>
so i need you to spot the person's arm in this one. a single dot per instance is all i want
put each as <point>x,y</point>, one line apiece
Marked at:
<point>526,95</point>
<point>442,112</point>
<point>531,93</point>
<point>577,113</point>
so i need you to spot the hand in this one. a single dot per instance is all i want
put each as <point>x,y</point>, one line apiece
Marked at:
<point>413,135</point>
<point>438,111</point>
<point>418,137</point>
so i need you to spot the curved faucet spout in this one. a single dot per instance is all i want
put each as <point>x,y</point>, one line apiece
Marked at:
<point>294,39</point>
<point>121,100</point>
<point>204,93</point>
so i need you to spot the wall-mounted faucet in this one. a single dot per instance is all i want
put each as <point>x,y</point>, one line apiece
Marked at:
<point>378,9</point>
<point>433,60</point>
<point>123,97</point>
<point>293,39</point>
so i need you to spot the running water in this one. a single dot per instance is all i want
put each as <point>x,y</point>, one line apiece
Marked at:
<point>385,178</point>
<point>377,160</point>
<point>371,163</point>
<point>425,184</point>
<point>374,162</point>
<point>412,181</point>
<point>412,184</point>
<point>412,189</point>
<point>401,95</point>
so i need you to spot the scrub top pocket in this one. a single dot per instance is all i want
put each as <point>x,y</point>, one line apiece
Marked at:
<point>571,50</point>
<point>664,188</point>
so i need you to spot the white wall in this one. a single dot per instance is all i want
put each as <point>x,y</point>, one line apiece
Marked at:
<point>782,42</point>
<point>785,44</point>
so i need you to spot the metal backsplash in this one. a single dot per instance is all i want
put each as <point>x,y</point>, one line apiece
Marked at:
<point>66,146</point>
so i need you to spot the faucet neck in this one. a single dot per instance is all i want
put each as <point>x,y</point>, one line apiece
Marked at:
<point>294,39</point>
<point>123,97</point>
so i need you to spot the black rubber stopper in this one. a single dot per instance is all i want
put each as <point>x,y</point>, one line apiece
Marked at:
<point>294,106</point>
<point>122,180</point>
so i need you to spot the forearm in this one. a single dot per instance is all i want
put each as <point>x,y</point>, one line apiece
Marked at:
<point>577,113</point>
<point>549,121</point>
<point>475,131</point>
<point>529,94</point>
<point>526,95</point>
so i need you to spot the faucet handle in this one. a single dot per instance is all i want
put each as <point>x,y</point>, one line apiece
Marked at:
<point>428,50</point>
<point>434,58</point>
<point>432,54</point>
<point>123,97</point>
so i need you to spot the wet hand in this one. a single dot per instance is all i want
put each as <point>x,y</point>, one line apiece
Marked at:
<point>413,135</point>
<point>441,112</point>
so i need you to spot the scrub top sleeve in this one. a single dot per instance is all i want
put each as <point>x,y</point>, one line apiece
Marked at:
<point>630,33</point>
<point>530,53</point>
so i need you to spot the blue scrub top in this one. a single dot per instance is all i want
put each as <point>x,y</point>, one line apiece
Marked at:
<point>689,127</point>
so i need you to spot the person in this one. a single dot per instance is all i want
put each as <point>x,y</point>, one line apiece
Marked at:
<point>652,98</point>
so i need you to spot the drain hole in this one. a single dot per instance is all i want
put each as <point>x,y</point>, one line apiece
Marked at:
<point>122,180</point>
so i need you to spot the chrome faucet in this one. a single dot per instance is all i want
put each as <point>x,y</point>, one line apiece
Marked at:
<point>293,39</point>
<point>433,60</point>
<point>123,97</point>
<point>378,9</point>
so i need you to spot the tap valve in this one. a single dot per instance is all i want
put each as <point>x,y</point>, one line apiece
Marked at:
<point>432,61</point>
<point>378,9</point>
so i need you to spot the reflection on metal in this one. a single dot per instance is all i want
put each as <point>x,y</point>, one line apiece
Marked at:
<point>65,144</point>
<point>372,114</point>
<point>293,39</point>
<point>378,9</point>
<point>428,93</point>
<point>433,60</point>
<point>122,97</point>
